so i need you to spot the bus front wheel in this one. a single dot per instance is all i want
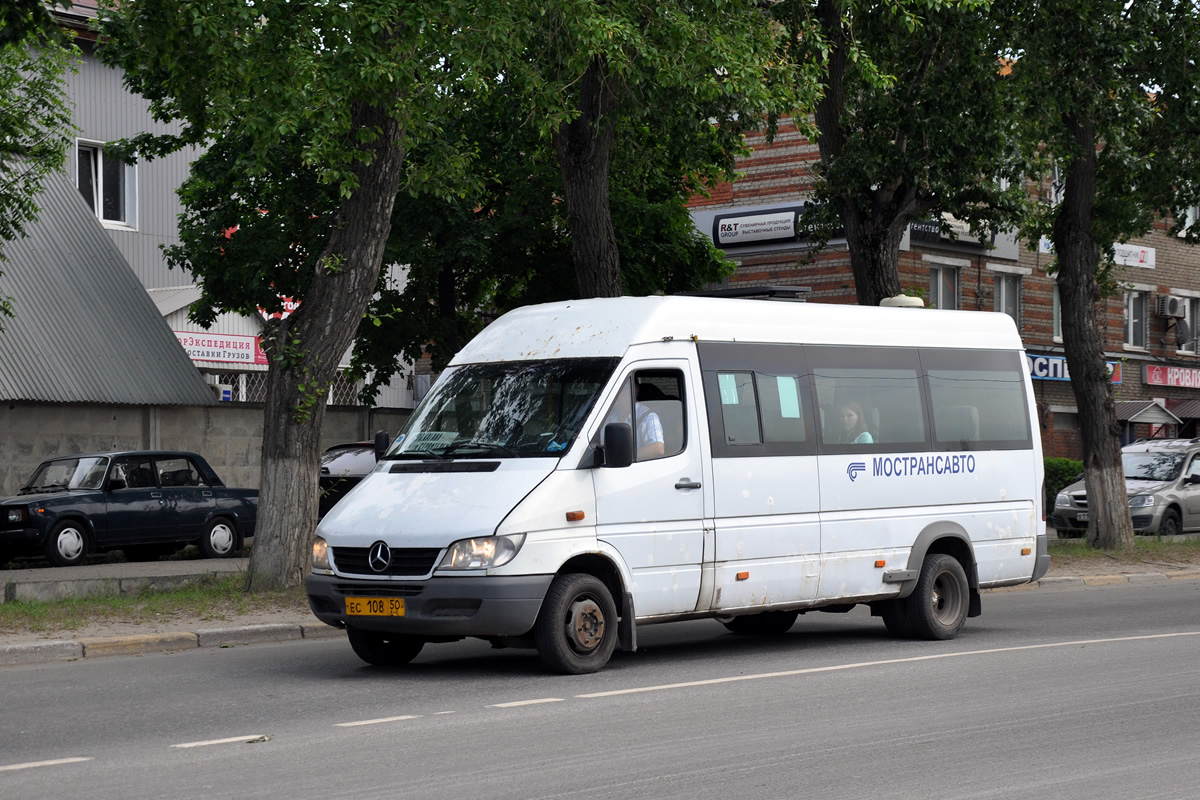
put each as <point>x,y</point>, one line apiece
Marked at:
<point>576,630</point>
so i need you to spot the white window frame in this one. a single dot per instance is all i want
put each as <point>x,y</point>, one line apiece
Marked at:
<point>1006,284</point>
<point>1057,185</point>
<point>1057,315</point>
<point>1191,215</point>
<point>129,189</point>
<point>1191,313</point>
<point>1134,326</point>
<point>936,276</point>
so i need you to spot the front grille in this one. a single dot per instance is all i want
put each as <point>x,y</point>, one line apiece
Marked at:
<point>405,560</point>
<point>1141,522</point>
<point>375,590</point>
<point>1080,500</point>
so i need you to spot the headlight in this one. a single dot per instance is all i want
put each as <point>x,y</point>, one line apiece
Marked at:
<point>489,551</point>
<point>15,516</point>
<point>1062,500</point>
<point>320,558</point>
<point>1141,500</point>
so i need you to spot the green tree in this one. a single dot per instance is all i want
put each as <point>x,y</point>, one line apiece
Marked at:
<point>35,117</point>
<point>615,66</point>
<point>914,122</point>
<point>356,85</point>
<point>1112,99</point>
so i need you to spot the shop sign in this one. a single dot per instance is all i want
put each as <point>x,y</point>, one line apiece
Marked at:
<point>930,230</point>
<point>769,225</point>
<point>1133,255</point>
<point>1054,368</point>
<point>1183,377</point>
<point>230,347</point>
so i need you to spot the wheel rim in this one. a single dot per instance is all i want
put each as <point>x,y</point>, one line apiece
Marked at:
<point>946,598</point>
<point>1170,526</point>
<point>585,624</point>
<point>221,538</point>
<point>70,543</point>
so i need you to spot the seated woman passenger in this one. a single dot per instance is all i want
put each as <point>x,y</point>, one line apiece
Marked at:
<point>854,425</point>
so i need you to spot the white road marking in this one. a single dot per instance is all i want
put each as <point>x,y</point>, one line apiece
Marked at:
<point>375,721</point>
<point>527,702</point>
<point>860,665</point>
<point>230,740</point>
<point>52,763</point>
<point>439,713</point>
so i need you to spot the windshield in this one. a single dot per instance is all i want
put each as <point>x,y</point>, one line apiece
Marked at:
<point>68,473</point>
<point>514,409</point>
<point>1152,466</point>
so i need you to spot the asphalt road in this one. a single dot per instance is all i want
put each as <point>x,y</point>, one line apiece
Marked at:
<point>1074,693</point>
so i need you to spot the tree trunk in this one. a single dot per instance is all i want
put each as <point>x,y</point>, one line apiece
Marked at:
<point>1109,524</point>
<point>873,235</point>
<point>584,148</point>
<point>304,352</point>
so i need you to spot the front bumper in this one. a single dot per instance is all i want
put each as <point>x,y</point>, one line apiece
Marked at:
<point>461,606</point>
<point>1146,519</point>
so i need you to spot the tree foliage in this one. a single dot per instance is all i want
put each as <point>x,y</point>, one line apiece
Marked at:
<point>1111,94</point>
<point>35,118</point>
<point>915,122</point>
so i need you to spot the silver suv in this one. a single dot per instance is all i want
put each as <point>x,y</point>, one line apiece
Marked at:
<point>1162,480</point>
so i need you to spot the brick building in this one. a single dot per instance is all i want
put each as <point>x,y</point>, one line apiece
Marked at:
<point>1149,330</point>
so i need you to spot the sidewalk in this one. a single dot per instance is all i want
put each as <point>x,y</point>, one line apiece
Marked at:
<point>52,583</point>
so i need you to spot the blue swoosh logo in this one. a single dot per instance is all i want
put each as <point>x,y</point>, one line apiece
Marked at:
<point>855,468</point>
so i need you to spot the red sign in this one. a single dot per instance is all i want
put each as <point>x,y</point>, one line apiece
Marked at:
<point>289,305</point>
<point>1160,375</point>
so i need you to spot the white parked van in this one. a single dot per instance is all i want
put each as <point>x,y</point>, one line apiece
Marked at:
<point>587,467</point>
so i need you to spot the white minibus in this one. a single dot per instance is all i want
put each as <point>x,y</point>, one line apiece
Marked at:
<point>585,468</point>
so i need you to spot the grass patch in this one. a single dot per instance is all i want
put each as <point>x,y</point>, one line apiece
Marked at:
<point>210,599</point>
<point>1146,550</point>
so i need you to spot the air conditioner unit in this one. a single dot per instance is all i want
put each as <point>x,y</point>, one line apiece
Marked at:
<point>1171,306</point>
<point>223,391</point>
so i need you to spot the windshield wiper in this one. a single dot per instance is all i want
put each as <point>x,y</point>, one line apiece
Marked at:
<point>485,447</point>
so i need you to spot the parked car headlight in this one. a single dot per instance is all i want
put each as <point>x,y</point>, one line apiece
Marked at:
<point>1062,500</point>
<point>15,516</point>
<point>1141,500</point>
<point>488,551</point>
<point>320,558</point>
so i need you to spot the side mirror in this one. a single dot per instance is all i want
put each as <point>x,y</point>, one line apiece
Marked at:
<point>116,484</point>
<point>618,445</point>
<point>1190,479</point>
<point>382,440</point>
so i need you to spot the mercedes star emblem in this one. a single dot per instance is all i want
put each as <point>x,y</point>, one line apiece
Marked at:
<point>379,556</point>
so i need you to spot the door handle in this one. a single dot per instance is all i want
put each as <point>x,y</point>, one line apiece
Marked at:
<point>156,494</point>
<point>687,483</point>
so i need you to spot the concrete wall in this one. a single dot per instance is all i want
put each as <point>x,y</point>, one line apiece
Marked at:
<point>229,436</point>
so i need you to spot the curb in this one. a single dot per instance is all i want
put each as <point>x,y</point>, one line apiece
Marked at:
<point>171,642</point>
<point>142,644</point>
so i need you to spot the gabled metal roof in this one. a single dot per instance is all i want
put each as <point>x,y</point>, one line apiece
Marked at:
<point>85,331</point>
<point>1145,411</point>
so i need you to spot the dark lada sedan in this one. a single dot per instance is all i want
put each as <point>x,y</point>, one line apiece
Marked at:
<point>145,503</point>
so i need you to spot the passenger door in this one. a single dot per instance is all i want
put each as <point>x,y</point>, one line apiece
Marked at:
<point>135,503</point>
<point>652,511</point>
<point>187,499</point>
<point>1190,493</point>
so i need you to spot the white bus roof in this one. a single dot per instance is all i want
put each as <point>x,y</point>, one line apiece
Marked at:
<point>608,326</point>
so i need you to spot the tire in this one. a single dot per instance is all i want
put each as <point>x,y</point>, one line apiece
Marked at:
<point>1170,523</point>
<point>937,608</point>
<point>220,539</point>
<point>67,545</point>
<point>576,630</point>
<point>768,623</point>
<point>895,619</point>
<point>384,649</point>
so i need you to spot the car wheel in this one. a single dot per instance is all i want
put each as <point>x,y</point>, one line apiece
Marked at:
<point>768,623</point>
<point>1170,523</point>
<point>938,606</point>
<point>220,539</point>
<point>67,545</point>
<point>576,630</point>
<point>384,649</point>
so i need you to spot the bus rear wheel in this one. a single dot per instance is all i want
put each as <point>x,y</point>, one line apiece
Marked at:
<point>938,606</point>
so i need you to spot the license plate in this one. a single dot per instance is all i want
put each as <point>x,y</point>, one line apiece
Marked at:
<point>1081,516</point>
<point>375,606</point>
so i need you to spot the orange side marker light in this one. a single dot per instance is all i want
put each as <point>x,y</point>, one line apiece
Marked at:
<point>880,564</point>
<point>1026,551</point>
<point>574,516</point>
<point>743,576</point>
